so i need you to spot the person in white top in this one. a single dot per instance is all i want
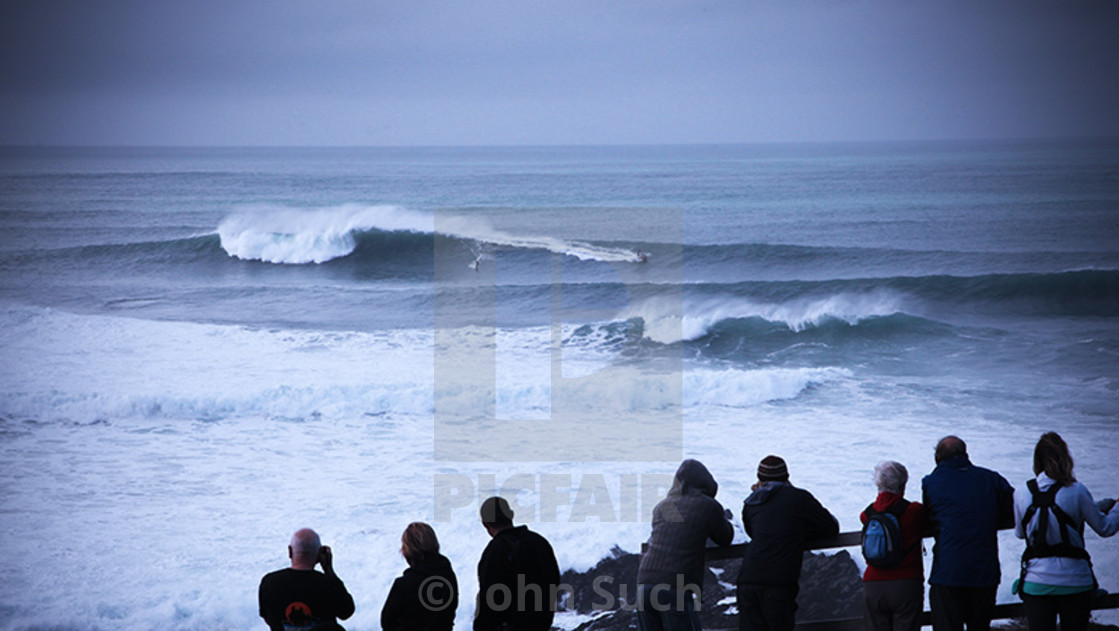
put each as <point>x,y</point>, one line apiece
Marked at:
<point>1050,515</point>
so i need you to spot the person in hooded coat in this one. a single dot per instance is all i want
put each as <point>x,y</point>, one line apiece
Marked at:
<point>670,575</point>
<point>780,520</point>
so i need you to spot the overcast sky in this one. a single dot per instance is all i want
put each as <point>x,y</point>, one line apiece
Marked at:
<point>448,72</point>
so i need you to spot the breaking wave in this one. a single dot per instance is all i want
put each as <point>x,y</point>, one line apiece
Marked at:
<point>297,236</point>
<point>664,322</point>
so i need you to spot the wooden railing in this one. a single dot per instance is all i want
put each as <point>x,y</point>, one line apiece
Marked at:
<point>850,539</point>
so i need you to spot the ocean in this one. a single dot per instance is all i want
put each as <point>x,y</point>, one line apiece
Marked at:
<point>206,349</point>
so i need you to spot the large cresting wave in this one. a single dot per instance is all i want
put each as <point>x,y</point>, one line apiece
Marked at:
<point>666,322</point>
<point>296,236</point>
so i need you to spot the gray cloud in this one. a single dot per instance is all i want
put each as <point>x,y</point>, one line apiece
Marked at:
<point>436,72</point>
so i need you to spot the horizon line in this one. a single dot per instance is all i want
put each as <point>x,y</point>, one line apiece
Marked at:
<point>759,143</point>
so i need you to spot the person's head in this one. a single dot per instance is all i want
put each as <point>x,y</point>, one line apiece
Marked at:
<point>496,515</point>
<point>418,542</point>
<point>891,477</point>
<point>1052,456</point>
<point>950,447</point>
<point>693,477</point>
<point>773,469</point>
<point>303,550</point>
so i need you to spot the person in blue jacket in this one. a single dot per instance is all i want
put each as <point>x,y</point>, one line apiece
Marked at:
<point>966,505</point>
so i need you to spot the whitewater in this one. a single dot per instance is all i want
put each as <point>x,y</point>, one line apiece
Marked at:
<point>205,350</point>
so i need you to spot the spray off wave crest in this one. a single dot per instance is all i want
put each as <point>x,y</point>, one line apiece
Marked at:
<point>665,322</point>
<point>297,236</point>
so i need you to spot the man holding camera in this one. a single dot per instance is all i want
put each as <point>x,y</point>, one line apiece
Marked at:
<point>301,598</point>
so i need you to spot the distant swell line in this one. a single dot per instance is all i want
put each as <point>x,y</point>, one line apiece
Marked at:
<point>799,306</point>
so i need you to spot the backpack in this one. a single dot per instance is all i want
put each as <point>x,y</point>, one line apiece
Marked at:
<point>881,537</point>
<point>1037,543</point>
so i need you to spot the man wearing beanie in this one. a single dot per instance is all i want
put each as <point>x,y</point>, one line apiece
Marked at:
<point>780,520</point>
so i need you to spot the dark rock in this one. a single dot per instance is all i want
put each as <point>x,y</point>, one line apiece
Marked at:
<point>609,585</point>
<point>830,588</point>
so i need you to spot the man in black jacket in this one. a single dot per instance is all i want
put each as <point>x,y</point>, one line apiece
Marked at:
<point>301,598</point>
<point>780,519</point>
<point>518,576</point>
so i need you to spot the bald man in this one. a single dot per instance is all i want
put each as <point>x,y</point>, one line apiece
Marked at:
<point>966,505</point>
<point>298,597</point>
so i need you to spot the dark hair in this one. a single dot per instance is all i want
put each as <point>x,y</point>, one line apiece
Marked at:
<point>1051,456</point>
<point>496,512</point>
<point>950,447</point>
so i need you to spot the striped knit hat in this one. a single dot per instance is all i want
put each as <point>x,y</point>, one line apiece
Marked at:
<point>773,469</point>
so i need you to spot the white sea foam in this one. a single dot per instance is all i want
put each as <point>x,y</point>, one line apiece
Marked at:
<point>133,429</point>
<point>669,321</point>
<point>86,368</point>
<point>276,234</point>
<point>149,468</point>
<point>745,388</point>
<point>90,367</point>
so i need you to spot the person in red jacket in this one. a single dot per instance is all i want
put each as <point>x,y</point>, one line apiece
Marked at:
<point>894,596</point>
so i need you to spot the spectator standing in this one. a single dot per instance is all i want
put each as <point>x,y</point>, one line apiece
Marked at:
<point>894,595</point>
<point>426,596</point>
<point>1057,579</point>
<point>301,598</point>
<point>966,505</point>
<point>780,519</point>
<point>670,576</point>
<point>518,576</point>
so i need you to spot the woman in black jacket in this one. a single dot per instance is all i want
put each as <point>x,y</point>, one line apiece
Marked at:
<point>425,597</point>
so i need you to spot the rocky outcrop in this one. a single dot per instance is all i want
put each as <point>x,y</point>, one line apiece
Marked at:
<point>830,588</point>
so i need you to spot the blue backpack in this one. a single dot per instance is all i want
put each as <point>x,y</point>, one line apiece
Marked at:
<point>881,540</point>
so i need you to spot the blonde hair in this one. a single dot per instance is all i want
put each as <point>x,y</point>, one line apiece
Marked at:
<point>418,542</point>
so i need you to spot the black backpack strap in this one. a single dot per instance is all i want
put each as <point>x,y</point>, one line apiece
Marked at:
<point>898,509</point>
<point>1037,546</point>
<point>1041,503</point>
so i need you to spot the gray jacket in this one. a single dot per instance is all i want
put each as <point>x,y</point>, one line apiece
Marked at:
<point>682,523</point>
